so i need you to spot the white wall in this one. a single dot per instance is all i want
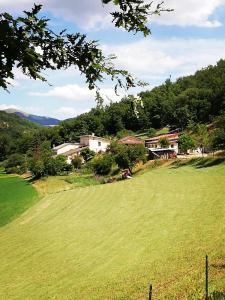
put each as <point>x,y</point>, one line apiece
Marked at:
<point>66,148</point>
<point>175,147</point>
<point>94,143</point>
<point>98,145</point>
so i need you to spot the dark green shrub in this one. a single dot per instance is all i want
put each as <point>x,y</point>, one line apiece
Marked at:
<point>87,154</point>
<point>218,139</point>
<point>129,156</point>
<point>77,162</point>
<point>103,164</point>
<point>37,168</point>
<point>16,163</point>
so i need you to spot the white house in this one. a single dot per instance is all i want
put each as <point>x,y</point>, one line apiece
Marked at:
<point>70,150</point>
<point>156,150</point>
<point>63,148</point>
<point>72,153</point>
<point>94,143</point>
<point>172,150</point>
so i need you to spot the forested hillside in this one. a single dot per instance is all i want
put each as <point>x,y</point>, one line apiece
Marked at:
<point>12,129</point>
<point>198,98</point>
<point>41,120</point>
<point>191,100</point>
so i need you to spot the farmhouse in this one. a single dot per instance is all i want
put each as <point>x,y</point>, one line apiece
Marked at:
<point>70,150</point>
<point>94,143</point>
<point>63,148</point>
<point>158,150</point>
<point>130,140</point>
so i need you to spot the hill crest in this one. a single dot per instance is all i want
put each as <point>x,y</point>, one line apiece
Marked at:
<point>41,120</point>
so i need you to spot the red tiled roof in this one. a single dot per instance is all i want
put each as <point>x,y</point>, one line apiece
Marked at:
<point>130,140</point>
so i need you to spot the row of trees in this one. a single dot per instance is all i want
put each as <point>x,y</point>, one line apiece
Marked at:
<point>204,137</point>
<point>41,161</point>
<point>32,150</point>
<point>189,104</point>
<point>192,100</point>
<point>123,156</point>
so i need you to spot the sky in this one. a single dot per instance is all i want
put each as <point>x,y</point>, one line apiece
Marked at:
<point>183,41</point>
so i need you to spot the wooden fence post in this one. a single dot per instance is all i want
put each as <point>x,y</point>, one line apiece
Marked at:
<point>150,293</point>
<point>206,278</point>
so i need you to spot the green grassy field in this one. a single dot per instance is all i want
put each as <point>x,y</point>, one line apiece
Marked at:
<point>56,184</point>
<point>109,241</point>
<point>16,195</point>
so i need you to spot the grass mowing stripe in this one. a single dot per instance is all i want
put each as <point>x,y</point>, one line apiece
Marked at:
<point>109,241</point>
<point>16,195</point>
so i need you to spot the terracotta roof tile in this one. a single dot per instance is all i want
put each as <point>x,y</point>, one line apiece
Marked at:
<point>130,140</point>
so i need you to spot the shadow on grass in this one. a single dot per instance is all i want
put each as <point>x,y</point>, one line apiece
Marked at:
<point>219,266</point>
<point>217,296</point>
<point>200,162</point>
<point>31,180</point>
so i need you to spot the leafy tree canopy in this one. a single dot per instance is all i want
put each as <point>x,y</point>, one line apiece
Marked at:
<point>186,142</point>
<point>102,164</point>
<point>29,44</point>
<point>127,156</point>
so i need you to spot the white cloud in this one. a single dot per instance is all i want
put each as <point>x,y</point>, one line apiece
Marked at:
<point>19,74</point>
<point>69,92</point>
<point>26,109</point>
<point>66,112</point>
<point>148,59</point>
<point>15,5</point>
<point>109,95</point>
<point>7,106</point>
<point>190,13</point>
<point>152,59</point>
<point>77,93</point>
<point>91,14</point>
<point>88,14</point>
<point>13,83</point>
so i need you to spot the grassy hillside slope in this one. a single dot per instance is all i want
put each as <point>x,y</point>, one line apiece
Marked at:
<point>110,241</point>
<point>16,195</point>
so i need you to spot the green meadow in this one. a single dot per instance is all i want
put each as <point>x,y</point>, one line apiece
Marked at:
<point>110,241</point>
<point>16,195</point>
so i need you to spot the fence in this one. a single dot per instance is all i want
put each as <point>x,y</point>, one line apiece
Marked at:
<point>150,294</point>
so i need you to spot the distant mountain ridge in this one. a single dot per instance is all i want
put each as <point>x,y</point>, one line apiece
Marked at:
<point>41,120</point>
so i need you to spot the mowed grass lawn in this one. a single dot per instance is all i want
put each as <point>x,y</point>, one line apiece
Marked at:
<point>110,241</point>
<point>16,195</point>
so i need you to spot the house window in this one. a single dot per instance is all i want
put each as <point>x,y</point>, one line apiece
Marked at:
<point>172,145</point>
<point>99,144</point>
